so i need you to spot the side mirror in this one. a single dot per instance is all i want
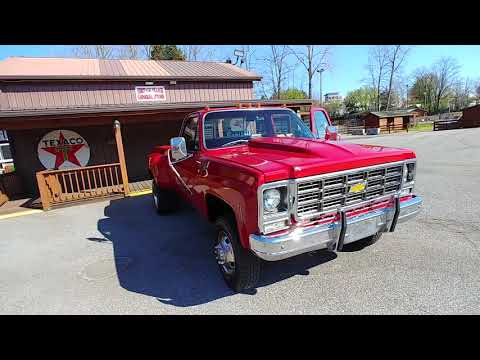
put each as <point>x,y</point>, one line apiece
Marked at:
<point>331,133</point>
<point>178,148</point>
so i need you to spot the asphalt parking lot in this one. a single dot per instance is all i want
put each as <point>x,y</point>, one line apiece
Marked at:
<point>119,257</point>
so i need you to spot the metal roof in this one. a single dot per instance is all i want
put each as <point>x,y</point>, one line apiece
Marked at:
<point>28,68</point>
<point>392,113</point>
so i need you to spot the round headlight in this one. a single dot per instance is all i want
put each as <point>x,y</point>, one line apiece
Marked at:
<point>271,199</point>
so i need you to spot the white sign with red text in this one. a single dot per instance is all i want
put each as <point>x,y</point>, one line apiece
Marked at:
<point>150,93</point>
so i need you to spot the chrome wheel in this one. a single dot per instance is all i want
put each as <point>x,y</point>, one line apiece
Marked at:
<point>224,253</point>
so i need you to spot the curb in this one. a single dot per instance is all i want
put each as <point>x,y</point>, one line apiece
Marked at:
<point>22,213</point>
<point>139,193</point>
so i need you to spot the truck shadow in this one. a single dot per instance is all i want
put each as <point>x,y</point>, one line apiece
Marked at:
<point>170,257</point>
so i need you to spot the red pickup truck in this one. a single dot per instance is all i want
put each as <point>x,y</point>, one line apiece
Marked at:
<point>276,189</point>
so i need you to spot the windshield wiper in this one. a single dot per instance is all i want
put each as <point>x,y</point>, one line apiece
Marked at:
<point>235,142</point>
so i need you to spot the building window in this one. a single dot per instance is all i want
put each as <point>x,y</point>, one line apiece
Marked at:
<point>3,135</point>
<point>5,153</point>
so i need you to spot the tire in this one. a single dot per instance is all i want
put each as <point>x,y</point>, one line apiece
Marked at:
<point>247,267</point>
<point>165,202</point>
<point>371,239</point>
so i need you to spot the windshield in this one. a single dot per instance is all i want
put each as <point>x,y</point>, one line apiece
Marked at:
<point>228,128</point>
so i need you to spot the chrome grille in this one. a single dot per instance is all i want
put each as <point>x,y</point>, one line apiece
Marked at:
<point>327,193</point>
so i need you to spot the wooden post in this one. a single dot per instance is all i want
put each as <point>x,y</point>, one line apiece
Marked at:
<point>42,188</point>
<point>121,156</point>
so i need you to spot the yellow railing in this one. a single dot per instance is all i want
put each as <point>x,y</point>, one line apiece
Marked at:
<point>58,187</point>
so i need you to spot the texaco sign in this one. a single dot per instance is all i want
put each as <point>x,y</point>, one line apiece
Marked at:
<point>63,149</point>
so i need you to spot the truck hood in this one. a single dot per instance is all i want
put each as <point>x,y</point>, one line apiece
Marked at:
<point>282,158</point>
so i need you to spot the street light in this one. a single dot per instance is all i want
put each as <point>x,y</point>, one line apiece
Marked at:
<point>321,97</point>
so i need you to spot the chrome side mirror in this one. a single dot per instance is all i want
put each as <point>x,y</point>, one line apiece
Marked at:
<point>178,148</point>
<point>331,133</point>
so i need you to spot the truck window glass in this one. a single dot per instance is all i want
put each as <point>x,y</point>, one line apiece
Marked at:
<point>190,134</point>
<point>222,127</point>
<point>321,123</point>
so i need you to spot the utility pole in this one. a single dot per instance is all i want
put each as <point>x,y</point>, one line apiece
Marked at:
<point>321,95</point>
<point>407,96</point>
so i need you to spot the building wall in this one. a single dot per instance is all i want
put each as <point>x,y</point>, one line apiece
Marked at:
<point>371,121</point>
<point>140,134</point>
<point>471,117</point>
<point>24,145</point>
<point>44,95</point>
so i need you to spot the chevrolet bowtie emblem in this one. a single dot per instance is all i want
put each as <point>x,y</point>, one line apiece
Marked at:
<point>357,187</point>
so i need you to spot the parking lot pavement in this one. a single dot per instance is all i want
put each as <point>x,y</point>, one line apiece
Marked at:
<point>119,257</point>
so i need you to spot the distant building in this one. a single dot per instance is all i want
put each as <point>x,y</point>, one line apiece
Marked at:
<point>387,121</point>
<point>417,111</point>
<point>333,96</point>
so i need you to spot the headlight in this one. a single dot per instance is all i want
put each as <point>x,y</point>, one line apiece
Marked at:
<point>271,200</point>
<point>408,178</point>
<point>274,209</point>
<point>410,171</point>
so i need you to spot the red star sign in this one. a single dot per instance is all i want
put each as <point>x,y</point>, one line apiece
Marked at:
<point>64,151</point>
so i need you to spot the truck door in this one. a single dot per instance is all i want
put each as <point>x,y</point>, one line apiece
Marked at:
<point>187,168</point>
<point>319,121</point>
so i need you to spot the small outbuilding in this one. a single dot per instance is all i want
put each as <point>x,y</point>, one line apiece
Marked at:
<point>389,121</point>
<point>470,117</point>
<point>417,111</point>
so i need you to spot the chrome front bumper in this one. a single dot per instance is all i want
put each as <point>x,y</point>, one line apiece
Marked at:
<point>333,235</point>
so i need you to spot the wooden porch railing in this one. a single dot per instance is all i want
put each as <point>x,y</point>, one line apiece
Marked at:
<point>70,185</point>
<point>3,198</point>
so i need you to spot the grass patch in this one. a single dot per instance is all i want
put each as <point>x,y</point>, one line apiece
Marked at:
<point>422,127</point>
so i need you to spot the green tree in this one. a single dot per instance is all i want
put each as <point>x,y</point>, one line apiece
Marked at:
<point>166,52</point>
<point>334,108</point>
<point>424,89</point>
<point>291,94</point>
<point>362,99</point>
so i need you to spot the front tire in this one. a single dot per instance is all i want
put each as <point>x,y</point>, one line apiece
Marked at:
<point>164,201</point>
<point>371,239</point>
<point>239,267</point>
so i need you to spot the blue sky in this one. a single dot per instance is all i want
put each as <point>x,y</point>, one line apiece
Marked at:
<point>346,71</point>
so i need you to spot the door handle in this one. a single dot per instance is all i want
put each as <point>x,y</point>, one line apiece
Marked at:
<point>203,169</point>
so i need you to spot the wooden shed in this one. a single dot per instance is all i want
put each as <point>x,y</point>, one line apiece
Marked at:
<point>388,121</point>
<point>470,117</point>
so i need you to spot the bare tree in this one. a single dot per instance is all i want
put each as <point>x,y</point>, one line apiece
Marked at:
<point>249,59</point>
<point>477,91</point>
<point>132,52</point>
<point>95,51</point>
<point>192,52</point>
<point>313,58</point>
<point>462,92</point>
<point>377,70</point>
<point>446,71</point>
<point>396,56</point>
<point>277,67</point>
<point>146,51</point>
